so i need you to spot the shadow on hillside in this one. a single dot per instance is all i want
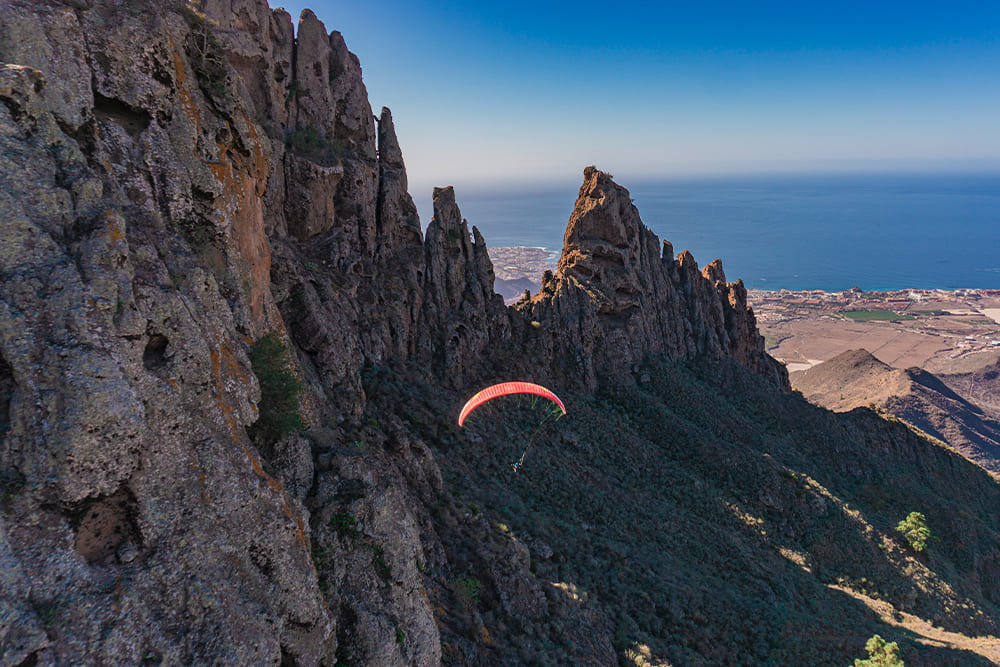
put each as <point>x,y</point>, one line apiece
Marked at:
<point>708,515</point>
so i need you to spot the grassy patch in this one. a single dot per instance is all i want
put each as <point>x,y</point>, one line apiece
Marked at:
<point>772,341</point>
<point>314,144</point>
<point>875,316</point>
<point>382,568</point>
<point>344,524</point>
<point>467,589</point>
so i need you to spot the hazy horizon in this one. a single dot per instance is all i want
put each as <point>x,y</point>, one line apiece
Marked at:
<point>797,231</point>
<point>506,92</point>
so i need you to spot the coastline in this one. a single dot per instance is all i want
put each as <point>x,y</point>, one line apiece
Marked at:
<point>942,330</point>
<point>520,268</point>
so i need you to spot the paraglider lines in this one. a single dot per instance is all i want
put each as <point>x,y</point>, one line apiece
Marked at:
<point>517,390</point>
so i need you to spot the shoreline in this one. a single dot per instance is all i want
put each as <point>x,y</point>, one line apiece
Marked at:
<point>939,329</point>
<point>531,261</point>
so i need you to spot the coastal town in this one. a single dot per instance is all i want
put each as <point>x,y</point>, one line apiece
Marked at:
<point>939,330</point>
<point>936,329</point>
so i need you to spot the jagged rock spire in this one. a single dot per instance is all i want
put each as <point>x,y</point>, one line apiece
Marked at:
<point>615,298</point>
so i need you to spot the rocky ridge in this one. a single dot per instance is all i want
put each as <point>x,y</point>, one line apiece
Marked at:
<point>856,379</point>
<point>179,180</point>
<point>183,179</point>
<point>618,296</point>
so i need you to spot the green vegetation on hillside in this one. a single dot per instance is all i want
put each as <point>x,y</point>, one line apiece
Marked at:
<point>279,390</point>
<point>314,144</point>
<point>205,53</point>
<point>914,528</point>
<point>714,519</point>
<point>880,654</point>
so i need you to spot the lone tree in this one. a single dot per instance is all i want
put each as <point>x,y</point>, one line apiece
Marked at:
<point>914,529</point>
<point>880,654</point>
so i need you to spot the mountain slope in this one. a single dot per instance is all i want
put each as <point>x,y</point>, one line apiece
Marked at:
<point>981,386</point>
<point>711,519</point>
<point>205,224</point>
<point>856,379</point>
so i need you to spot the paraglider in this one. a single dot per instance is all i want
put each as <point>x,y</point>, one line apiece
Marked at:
<point>503,389</point>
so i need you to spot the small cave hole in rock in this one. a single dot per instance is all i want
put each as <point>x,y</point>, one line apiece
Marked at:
<point>30,661</point>
<point>154,356</point>
<point>106,528</point>
<point>6,393</point>
<point>131,119</point>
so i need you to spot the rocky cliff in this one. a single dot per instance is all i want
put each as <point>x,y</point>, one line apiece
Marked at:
<point>618,297</point>
<point>203,221</point>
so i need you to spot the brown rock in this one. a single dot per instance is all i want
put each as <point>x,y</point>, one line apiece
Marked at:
<point>616,299</point>
<point>461,314</point>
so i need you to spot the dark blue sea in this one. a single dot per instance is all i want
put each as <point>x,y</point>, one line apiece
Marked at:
<point>829,232</point>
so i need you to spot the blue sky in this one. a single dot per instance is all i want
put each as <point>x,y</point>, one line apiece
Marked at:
<point>510,92</point>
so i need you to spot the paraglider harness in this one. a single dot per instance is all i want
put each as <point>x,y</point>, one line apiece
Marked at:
<point>548,421</point>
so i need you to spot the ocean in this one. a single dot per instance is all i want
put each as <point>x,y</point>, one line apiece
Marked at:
<point>828,232</point>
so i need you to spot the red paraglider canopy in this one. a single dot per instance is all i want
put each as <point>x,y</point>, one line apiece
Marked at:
<point>503,389</point>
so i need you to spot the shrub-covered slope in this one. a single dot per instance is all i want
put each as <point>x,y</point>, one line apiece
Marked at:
<point>711,519</point>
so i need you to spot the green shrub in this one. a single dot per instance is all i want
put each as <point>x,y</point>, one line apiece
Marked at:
<point>306,138</point>
<point>314,144</point>
<point>378,560</point>
<point>319,554</point>
<point>11,483</point>
<point>467,589</point>
<point>205,53</point>
<point>343,523</point>
<point>914,528</point>
<point>880,654</point>
<point>279,390</point>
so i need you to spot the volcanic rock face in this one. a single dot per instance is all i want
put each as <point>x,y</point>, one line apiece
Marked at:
<point>617,298</point>
<point>181,180</point>
<point>461,302</point>
<point>134,262</point>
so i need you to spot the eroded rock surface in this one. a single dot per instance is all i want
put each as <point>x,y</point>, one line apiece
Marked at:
<point>184,180</point>
<point>619,296</point>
